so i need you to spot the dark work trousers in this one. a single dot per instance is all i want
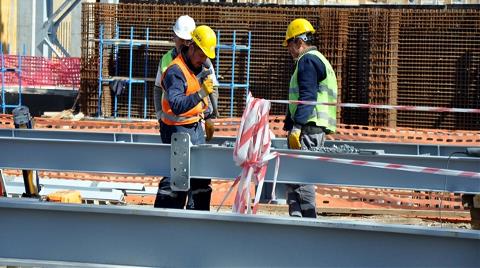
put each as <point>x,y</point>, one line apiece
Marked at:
<point>200,192</point>
<point>301,197</point>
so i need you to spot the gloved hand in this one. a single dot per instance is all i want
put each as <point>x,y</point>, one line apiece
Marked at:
<point>209,129</point>
<point>207,88</point>
<point>294,138</point>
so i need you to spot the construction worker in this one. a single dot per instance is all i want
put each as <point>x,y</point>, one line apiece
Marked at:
<point>182,30</point>
<point>313,80</point>
<point>184,102</point>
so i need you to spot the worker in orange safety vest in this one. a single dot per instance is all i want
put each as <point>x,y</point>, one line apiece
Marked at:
<point>184,104</point>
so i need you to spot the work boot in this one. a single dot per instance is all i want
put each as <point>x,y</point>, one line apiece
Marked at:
<point>199,195</point>
<point>167,198</point>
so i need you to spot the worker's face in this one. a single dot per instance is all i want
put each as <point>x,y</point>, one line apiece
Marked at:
<point>196,56</point>
<point>293,47</point>
<point>179,42</point>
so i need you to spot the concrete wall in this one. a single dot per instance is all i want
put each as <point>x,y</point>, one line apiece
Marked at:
<point>29,31</point>
<point>8,25</point>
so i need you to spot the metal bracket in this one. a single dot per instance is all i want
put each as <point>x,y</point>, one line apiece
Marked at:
<point>180,162</point>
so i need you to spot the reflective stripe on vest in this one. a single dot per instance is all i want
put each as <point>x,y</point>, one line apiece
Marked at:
<point>322,115</point>
<point>193,86</point>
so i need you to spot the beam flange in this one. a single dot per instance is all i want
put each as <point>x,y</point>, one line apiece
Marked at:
<point>162,237</point>
<point>211,161</point>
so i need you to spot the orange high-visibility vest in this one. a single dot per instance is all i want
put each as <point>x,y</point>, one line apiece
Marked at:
<point>193,86</point>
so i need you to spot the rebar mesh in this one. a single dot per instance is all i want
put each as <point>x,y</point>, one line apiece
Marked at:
<point>382,55</point>
<point>439,65</point>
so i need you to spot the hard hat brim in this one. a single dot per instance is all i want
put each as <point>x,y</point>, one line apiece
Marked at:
<point>183,36</point>
<point>210,54</point>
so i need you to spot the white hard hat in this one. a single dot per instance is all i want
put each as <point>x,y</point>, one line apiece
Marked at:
<point>184,26</point>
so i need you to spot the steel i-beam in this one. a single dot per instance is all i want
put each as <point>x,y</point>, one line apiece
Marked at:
<point>77,235</point>
<point>126,155</point>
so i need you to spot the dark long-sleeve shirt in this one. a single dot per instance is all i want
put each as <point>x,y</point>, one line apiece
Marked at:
<point>311,71</point>
<point>175,85</point>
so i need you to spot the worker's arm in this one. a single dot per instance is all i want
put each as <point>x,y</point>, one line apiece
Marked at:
<point>157,93</point>
<point>311,71</point>
<point>175,84</point>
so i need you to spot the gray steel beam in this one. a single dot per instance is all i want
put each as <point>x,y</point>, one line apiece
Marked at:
<point>216,162</point>
<point>175,238</point>
<point>209,161</point>
<point>279,143</point>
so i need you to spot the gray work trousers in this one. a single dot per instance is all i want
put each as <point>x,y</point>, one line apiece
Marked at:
<point>301,197</point>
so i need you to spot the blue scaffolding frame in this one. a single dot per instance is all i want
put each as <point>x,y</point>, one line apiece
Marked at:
<point>234,47</point>
<point>116,42</point>
<point>18,71</point>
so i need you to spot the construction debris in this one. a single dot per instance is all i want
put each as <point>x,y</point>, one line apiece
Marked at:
<point>66,114</point>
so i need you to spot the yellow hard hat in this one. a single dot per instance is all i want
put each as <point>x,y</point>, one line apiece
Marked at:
<point>205,39</point>
<point>296,28</point>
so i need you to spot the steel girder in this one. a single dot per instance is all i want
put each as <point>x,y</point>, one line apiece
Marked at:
<point>83,234</point>
<point>279,143</point>
<point>127,155</point>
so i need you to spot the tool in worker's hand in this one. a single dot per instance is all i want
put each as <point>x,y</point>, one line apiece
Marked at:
<point>209,129</point>
<point>214,96</point>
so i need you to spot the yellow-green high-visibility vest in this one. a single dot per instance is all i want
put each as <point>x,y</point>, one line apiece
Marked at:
<point>166,60</point>
<point>323,115</point>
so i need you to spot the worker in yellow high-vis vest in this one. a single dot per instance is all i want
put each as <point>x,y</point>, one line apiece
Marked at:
<point>313,79</point>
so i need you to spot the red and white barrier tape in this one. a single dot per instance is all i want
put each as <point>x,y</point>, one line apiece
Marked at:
<point>379,106</point>
<point>252,153</point>
<point>410,168</point>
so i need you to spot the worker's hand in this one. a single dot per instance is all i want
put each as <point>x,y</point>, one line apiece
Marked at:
<point>294,138</point>
<point>207,88</point>
<point>209,129</point>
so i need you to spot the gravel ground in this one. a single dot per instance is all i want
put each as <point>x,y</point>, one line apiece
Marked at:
<point>382,219</point>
